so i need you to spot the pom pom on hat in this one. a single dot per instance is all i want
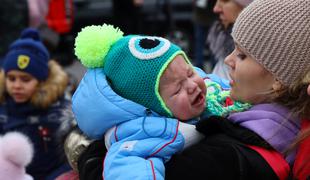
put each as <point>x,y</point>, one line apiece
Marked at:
<point>28,54</point>
<point>16,153</point>
<point>94,42</point>
<point>30,33</point>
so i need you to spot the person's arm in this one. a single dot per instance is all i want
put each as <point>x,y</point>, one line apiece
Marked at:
<point>90,162</point>
<point>144,144</point>
<point>148,154</point>
<point>130,160</point>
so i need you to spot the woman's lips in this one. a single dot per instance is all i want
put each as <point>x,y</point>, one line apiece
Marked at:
<point>231,82</point>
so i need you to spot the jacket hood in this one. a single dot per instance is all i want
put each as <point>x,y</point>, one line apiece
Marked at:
<point>97,107</point>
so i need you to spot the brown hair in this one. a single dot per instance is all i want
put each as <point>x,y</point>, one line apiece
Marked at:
<point>296,98</point>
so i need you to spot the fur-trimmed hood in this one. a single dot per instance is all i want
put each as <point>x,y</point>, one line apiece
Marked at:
<point>48,91</point>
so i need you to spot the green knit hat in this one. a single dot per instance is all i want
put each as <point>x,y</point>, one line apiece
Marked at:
<point>133,64</point>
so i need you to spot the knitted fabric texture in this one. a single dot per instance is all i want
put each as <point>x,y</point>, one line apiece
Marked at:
<point>133,64</point>
<point>243,3</point>
<point>276,34</point>
<point>215,101</point>
<point>28,54</point>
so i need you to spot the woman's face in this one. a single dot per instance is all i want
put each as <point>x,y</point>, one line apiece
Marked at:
<point>20,85</point>
<point>228,11</point>
<point>251,82</point>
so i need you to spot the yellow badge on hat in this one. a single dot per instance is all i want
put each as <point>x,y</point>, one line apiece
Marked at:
<point>23,61</point>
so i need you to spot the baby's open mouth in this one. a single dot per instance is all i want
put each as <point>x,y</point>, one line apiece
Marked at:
<point>199,99</point>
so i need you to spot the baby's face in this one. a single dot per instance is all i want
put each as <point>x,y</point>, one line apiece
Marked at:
<point>182,89</point>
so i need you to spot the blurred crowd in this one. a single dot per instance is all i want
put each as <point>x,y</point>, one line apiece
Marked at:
<point>40,74</point>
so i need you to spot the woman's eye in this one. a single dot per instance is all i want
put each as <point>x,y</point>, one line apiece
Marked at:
<point>241,56</point>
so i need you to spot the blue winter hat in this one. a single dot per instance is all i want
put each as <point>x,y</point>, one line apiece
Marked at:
<point>28,54</point>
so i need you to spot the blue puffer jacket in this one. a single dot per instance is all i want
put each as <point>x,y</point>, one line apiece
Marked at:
<point>141,141</point>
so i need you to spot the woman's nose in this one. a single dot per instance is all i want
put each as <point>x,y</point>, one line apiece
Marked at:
<point>217,8</point>
<point>229,61</point>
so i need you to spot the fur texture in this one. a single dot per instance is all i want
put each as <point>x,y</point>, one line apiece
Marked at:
<point>16,153</point>
<point>17,148</point>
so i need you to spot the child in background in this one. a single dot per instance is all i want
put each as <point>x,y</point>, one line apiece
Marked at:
<point>133,90</point>
<point>33,102</point>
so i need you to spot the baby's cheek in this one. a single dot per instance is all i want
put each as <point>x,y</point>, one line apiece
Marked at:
<point>181,111</point>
